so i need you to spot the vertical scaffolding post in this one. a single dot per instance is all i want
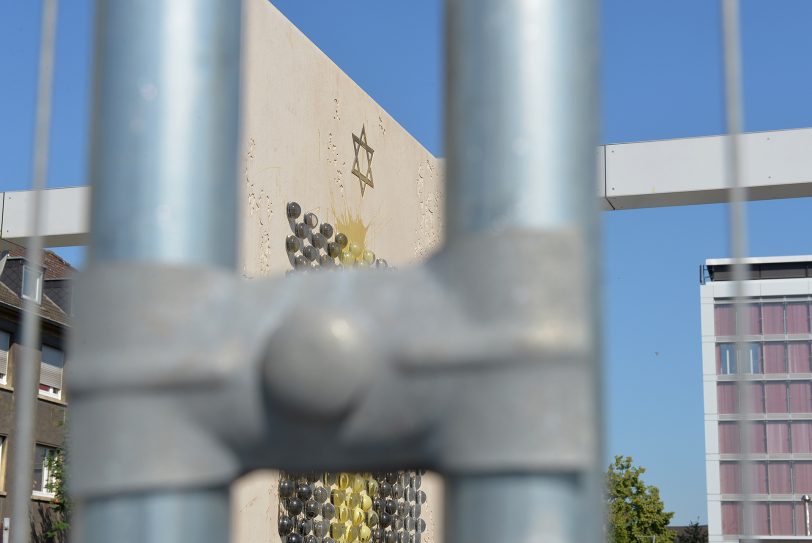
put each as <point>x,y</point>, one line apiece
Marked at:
<point>522,125</point>
<point>163,170</point>
<point>27,365</point>
<point>166,132</point>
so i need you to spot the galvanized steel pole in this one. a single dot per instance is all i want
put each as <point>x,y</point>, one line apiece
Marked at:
<point>164,152</point>
<point>27,366</point>
<point>166,132</point>
<point>522,122</point>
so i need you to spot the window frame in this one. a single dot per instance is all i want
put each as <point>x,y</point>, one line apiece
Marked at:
<point>47,476</point>
<point>52,392</point>
<point>3,439</point>
<point>38,276</point>
<point>757,362</point>
<point>726,363</point>
<point>4,376</point>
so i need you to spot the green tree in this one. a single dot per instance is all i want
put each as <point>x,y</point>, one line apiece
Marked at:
<point>694,533</point>
<point>636,512</point>
<point>61,504</point>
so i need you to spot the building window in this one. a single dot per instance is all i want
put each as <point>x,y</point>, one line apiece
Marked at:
<point>802,436</point>
<point>802,476</point>
<point>798,318</point>
<point>753,358</point>
<point>724,320</point>
<point>780,478</point>
<point>43,478</point>
<point>775,358</point>
<point>32,284</point>
<point>2,458</point>
<point>800,397</point>
<point>731,518</point>
<point>777,438</point>
<point>772,318</point>
<point>50,373</point>
<point>799,357</point>
<point>776,397</point>
<point>727,355</point>
<point>727,397</point>
<point>5,344</point>
<point>750,357</point>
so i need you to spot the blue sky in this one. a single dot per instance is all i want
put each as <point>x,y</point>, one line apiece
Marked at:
<point>661,79</point>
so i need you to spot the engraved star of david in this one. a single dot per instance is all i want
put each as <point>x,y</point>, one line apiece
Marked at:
<point>361,143</point>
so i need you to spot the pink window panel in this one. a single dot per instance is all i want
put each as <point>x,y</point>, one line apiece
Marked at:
<point>774,358</point>
<point>780,478</point>
<point>781,518</point>
<point>777,437</point>
<point>761,519</point>
<point>800,527</point>
<point>776,397</point>
<point>772,318</point>
<point>727,398</point>
<point>756,437</point>
<point>731,518</point>
<point>754,392</point>
<point>724,318</point>
<point>758,478</point>
<point>729,438</point>
<point>797,318</point>
<point>800,397</point>
<point>799,358</point>
<point>802,436</point>
<point>802,471</point>
<point>730,477</point>
<point>753,316</point>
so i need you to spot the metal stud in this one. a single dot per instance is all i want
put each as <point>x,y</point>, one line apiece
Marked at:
<point>318,241</point>
<point>301,262</point>
<point>333,249</point>
<point>311,220</point>
<point>300,230</point>
<point>291,244</point>
<point>326,230</point>
<point>294,210</point>
<point>347,259</point>
<point>310,253</point>
<point>342,240</point>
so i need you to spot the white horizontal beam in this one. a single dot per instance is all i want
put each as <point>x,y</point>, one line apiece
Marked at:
<point>65,214</point>
<point>662,173</point>
<point>775,164</point>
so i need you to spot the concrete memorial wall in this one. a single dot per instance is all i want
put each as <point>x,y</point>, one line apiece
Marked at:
<point>312,136</point>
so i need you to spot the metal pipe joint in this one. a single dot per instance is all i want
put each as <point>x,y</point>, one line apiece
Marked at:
<point>389,369</point>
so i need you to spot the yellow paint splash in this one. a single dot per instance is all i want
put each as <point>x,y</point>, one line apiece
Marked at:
<point>352,226</point>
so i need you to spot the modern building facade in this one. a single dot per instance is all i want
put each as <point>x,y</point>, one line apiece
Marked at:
<point>764,428</point>
<point>50,288</point>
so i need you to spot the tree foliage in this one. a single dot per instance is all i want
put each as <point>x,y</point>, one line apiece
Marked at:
<point>56,484</point>
<point>694,533</point>
<point>636,512</point>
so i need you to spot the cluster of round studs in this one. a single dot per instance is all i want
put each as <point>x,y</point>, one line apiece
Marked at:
<point>312,245</point>
<point>351,507</point>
